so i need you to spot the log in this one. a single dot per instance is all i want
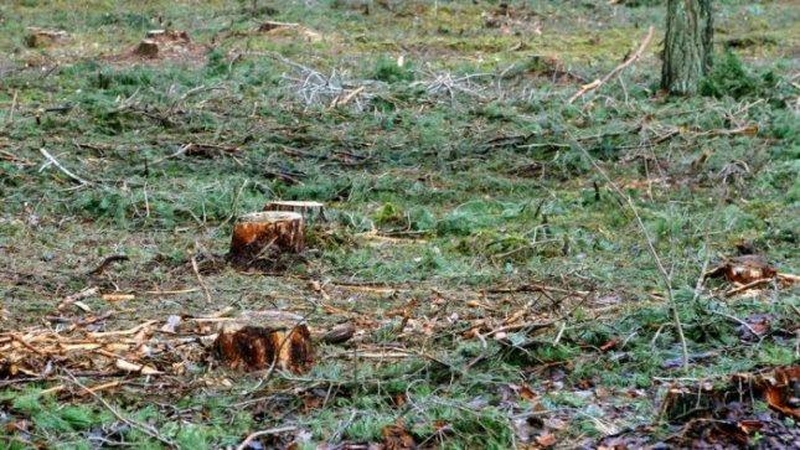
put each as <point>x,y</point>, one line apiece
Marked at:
<point>266,234</point>
<point>258,348</point>
<point>339,334</point>
<point>311,211</point>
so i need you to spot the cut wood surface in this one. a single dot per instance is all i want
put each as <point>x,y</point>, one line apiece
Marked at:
<point>261,234</point>
<point>258,348</point>
<point>311,211</point>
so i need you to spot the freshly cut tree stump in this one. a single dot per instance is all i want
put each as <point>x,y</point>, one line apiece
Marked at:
<point>311,211</point>
<point>258,348</point>
<point>266,234</point>
<point>147,48</point>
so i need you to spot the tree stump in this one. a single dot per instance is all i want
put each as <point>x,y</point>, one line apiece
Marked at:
<point>147,48</point>
<point>169,36</point>
<point>38,37</point>
<point>258,348</point>
<point>266,234</point>
<point>311,211</point>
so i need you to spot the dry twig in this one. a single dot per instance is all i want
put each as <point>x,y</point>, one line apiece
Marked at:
<point>662,270</point>
<point>200,280</point>
<point>597,83</point>
<point>252,436</point>
<point>146,429</point>
<point>63,169</point>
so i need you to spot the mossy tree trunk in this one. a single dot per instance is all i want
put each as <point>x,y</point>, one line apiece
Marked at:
<point>687,45</point>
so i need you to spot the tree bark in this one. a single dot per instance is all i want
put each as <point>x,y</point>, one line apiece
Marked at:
<point>311,211</point>
<point>266,234</point>
<point>687,45</point>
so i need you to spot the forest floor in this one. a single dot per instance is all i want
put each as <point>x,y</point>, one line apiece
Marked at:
<point>522,264</point>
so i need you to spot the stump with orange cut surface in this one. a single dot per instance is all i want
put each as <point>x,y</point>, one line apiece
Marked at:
<point>257,348</point>
<point>265,234</point>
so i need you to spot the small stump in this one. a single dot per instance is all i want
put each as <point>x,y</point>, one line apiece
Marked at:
<point>169,36</point>
<point>258,348</point>
<point>148,48</point>
<point>311,211</point>
<point>38,37</point>
<point>266,234</point>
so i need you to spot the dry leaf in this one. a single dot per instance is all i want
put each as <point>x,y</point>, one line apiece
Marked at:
<point>396,437</point>
<point>172,323</point>
<point>546,440</point>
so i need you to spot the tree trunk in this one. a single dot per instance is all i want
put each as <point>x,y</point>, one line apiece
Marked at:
<point>687,45</point>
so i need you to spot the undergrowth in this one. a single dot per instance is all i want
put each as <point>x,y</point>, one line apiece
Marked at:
<point>449,161</point>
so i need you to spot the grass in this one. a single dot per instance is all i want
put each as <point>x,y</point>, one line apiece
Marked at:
<point>450,180</point>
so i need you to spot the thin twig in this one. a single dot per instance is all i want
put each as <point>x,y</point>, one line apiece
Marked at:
<point>737,320</point>
<point>200,280</point>
<point>597,83</point>
<point>10,117</point>
<point>698,287</point>
<point>748,286</point>
<point>55,162</point>
<point>257,434</point>
<point>146,429</point>
<point>665,276</point>
<point>180,152</point>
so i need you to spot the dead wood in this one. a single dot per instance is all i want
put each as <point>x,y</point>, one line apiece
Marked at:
<point>107,263</point>
<point>597,83</point>
<point>39,37</point>
<point>311,211</point>
<point>258,348</point>
<point>339,334</point>
<point>266,235</point>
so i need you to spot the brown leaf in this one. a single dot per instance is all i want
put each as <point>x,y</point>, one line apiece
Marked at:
<point>743,269</point>
<point>396,437</point>
<point>750,426</point>
<point>526,393</point>
<point>779,388</point>
<point>546,440</point>
<point>611,344</point>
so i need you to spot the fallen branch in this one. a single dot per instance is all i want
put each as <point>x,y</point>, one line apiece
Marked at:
<point>70,299</point>
<point>748,286</point>
<point>597,83</point>
<point>252,436</point>
<point>10,117</point>
<point>179,152</point>
<point>662,270</point>
<point>55,162</point>
<point>200,280</point>
<point>146,429</point>
<point>127,332</point>
<point>106,263</point>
